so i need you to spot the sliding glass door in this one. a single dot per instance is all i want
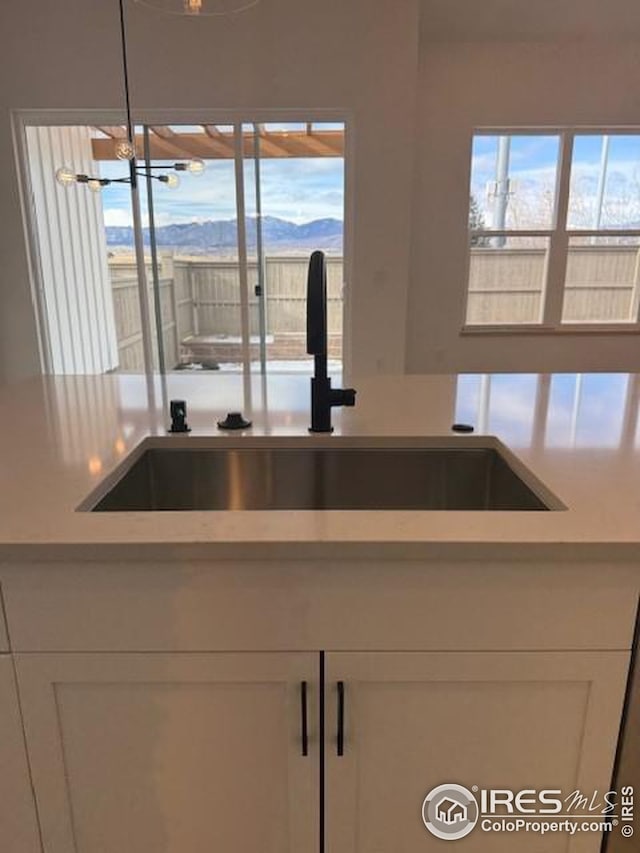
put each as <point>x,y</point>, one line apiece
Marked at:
<point>230,216</point>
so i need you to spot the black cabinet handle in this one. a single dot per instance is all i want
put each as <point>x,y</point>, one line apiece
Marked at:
<point>340,732</point>
<point>303,712</point>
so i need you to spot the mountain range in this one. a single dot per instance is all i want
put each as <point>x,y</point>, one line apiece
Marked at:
<point>222,234</point>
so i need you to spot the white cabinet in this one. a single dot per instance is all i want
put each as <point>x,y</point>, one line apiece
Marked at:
<point>415,720</point>
<point>141,738</point>
<point>173,752</point>
<point>201,752</point>
<point>18,822</point>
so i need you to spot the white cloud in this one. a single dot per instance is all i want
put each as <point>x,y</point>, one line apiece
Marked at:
<point>117,217</point>
<point>122,218</point>
<point>297,189</point>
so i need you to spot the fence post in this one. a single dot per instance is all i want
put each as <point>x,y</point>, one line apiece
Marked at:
<point>168,272</point>
<point>166,265</point>
<point>194,302</point>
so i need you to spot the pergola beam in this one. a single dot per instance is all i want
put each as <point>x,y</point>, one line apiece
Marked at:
<point>212,144</point>
<point>222,141</point>
<point>168,142</point>
<point>163,131</point>
<point>319,146</point>
<point>269,147</point>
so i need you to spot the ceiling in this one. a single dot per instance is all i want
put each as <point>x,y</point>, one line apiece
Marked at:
<point>529,20</point>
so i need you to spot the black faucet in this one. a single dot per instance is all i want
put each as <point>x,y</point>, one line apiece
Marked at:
<point>323,396</point>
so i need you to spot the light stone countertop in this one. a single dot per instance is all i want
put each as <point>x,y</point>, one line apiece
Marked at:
<point>578,434</point>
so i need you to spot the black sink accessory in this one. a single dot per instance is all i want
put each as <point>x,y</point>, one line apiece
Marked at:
<point>234,420</point>
<point>178,412</point>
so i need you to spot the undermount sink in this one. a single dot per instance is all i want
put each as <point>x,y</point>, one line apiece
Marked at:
<point>320,474</point>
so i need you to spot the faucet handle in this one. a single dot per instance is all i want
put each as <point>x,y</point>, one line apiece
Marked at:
<point>343,397</point>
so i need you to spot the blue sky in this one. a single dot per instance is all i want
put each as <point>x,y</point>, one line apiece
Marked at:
<point>301,190</point>
<point>296,189</point>
<point>533,170</point>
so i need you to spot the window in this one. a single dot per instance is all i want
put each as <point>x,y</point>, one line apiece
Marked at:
<point>554,224</point>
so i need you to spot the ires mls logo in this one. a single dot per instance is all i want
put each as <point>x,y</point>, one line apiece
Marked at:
<point>450,812</point>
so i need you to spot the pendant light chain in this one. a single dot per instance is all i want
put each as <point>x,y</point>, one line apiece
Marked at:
<point>125,69</point>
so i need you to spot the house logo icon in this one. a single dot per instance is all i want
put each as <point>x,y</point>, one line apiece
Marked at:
<point>450,812</point>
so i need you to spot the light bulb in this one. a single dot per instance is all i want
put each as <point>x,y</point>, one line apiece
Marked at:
<point>172,181</point>
<point>94,185</point>
<point>196,166</point>
<point>125,150</point>
<point>192,7</point>
<point>65,176</point>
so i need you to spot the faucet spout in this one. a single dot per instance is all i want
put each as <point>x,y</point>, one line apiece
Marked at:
<point>317,306</point>
<point>323,396</point>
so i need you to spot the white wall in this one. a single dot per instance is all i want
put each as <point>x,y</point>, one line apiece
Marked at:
<point>53,56</point>
<point>466,85</point>
<point>78,305</point>
<point>353,57</point>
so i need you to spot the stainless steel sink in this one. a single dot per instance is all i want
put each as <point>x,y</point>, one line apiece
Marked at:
<point>339,474</point>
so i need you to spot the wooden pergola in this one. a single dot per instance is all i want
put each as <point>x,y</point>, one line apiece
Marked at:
<point>212,143</point>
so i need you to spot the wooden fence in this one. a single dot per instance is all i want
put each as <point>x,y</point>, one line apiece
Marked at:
<point>507,285</point>
<point>200,297</point>
<point>129,328</point>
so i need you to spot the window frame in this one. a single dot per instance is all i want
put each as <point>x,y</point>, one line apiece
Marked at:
<point>559,236</point>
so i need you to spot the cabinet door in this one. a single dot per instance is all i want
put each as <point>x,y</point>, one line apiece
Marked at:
<point>413,721</point>
<point>18,822</point>
<point>190,753</point>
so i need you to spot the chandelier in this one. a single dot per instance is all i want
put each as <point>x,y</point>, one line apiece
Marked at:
<point>66,176</point>
<point>199,7</point>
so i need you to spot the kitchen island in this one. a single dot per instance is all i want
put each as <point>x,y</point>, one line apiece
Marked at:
<point>174,672</point>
